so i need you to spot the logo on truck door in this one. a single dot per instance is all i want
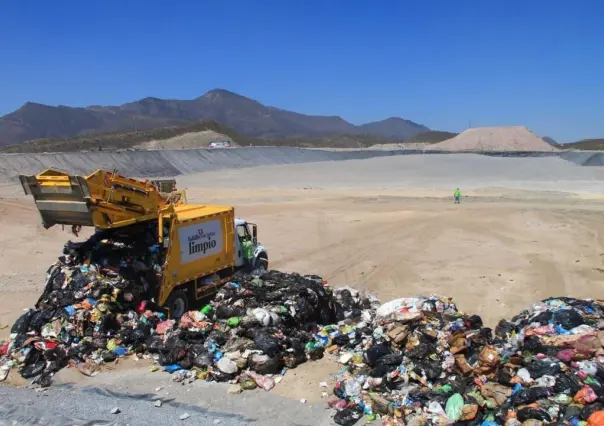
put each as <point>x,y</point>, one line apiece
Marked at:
<point>200,240</point>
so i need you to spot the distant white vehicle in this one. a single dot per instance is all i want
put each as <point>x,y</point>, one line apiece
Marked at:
<point>219,144</point>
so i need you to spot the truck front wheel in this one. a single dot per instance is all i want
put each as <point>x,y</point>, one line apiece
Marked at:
<point>178,304</point>
<point>261,264</point>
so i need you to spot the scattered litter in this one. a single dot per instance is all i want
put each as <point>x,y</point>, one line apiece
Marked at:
<point>184,416</point>
<point>157,403</point>
<point>115,410</point>
<point>234,389</point>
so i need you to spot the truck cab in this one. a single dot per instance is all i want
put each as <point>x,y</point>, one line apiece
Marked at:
<point>249,231</point>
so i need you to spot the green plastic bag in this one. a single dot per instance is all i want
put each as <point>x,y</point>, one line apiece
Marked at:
<point>454,407</point>
<point>233,321</point>
<point>206,309</point>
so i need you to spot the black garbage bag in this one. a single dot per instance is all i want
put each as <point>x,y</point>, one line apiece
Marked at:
<point>375,352</point>
<point>433,369</point>
<point>109,323</point>
<point>187,362</point>
<point>315,354</point>
<point>292,360</point>
<point>474,322</point>
<point>341,340</point>
<point>503,328</point>
<point>533,413</point>
<point>41,317</point>
<point>32,370</point>
<point>529,395</point>
<point>109,356</point>
<point>219,376</point>
<point>155,344</point>
<point>568,318</point>
<point>421,351</point>
<point>532,344</point>
<point>264,342</point>
<point>600,373</point>
<point>339,392</point>
<point>542,318</point>
<point>505,375</point>
<point>568,384</point>
<point>217,337</point>
<point>173,356</point>
<point>348,416</point>
<point>305,312</point>
<point>538,368</point>
<point>589,409</point>
<point>501,413</point>
<point>381,370</point>
<point>573,410</point>
<point>390,359</point>
<point>226,312</point>
<point>20,340</point>
<point>203,360</point>
<point>459,383</point>
<point>21,326</point>
<point>45,379</point>
<point>264,364</point>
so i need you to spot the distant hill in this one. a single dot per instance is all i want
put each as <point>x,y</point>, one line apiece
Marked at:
<point>332,141</point>
<point>431,136</point>
<point>393,127</point>
<point>246,116</point>
<point>121,140</point>
<point>551,141</point>
<point>586,145</point>
<point>192,135</point>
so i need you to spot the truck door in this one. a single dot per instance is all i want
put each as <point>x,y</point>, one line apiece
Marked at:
<point>242,233</point>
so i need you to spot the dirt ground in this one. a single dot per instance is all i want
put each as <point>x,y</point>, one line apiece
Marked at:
<point>495,253</point>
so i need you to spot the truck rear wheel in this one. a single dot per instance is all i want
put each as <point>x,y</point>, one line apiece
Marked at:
<point>178,304</point>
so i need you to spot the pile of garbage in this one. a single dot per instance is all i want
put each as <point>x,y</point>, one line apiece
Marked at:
<point>424,362</point>
<point>252,331</point>
<point>95,307</point>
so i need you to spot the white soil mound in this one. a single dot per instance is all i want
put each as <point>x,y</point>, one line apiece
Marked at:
<point>512,138</point>
<point>187,141</point>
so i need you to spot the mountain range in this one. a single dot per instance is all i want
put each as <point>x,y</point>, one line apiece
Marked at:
<point>245,115</point>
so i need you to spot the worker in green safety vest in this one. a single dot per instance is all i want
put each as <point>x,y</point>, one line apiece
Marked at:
<point>457,196</point>
<point>248,253</point>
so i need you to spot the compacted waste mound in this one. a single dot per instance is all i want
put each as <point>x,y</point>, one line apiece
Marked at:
<point>413,360</point>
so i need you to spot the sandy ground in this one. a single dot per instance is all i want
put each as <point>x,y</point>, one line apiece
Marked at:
<point>518,237</point>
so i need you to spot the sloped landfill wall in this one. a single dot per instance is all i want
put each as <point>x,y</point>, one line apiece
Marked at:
<point>585,158</point>
<point>168,163</point>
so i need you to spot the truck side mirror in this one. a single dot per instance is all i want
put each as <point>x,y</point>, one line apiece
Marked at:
<point>166,242</point>
<point>255,234</point>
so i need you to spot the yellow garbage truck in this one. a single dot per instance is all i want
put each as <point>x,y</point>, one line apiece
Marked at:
<point>203,245</point>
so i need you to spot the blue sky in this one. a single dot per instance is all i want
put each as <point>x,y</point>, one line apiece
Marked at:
<point>442,63</point>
